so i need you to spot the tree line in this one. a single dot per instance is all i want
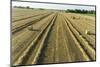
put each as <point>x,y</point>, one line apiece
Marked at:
<point>21,7</point>
<point>27,7</point>
<point>81,11</point>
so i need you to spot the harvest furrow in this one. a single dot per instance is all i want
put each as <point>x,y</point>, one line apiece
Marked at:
<point>85,45</point>
<point>20,27</point>
<point>32,46</point>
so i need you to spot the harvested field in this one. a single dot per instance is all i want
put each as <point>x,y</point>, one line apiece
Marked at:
<point>49,36</point>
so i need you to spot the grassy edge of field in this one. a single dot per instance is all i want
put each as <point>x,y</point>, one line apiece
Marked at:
<point>92,15</point>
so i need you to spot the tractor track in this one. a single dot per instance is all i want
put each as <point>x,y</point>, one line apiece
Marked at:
<point>83,42</point>
<point>16,29</point>
<point>33,44</point>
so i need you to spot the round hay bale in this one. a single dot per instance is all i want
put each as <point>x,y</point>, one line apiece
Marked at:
<point>89,32</point>
<point>30,28</point>
<point>86,31</point>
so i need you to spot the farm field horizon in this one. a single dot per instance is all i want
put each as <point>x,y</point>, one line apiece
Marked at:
<point>47,36</point>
